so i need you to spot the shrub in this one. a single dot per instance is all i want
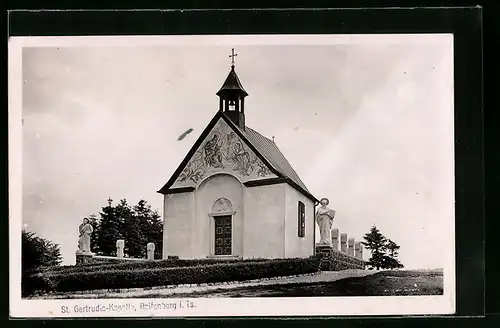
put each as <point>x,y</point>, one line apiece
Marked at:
<point>137,265</point>
<point>38,252</point>
<point>36,283</point>
<point>336,261</point>
<point>149,277</point>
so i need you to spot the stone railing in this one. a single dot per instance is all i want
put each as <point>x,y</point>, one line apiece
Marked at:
<point>120,255</point>
<point>349,256</point>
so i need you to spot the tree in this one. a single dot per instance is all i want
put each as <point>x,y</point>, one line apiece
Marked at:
<point>384,251</point>
<point>150,225</point>
<point>137,225</point>
<point>391,261</point>
<point>135,243</point>
<point>110,230</point>
<point>392,248</point>
<point>375,241</point>
<point>38,252</point>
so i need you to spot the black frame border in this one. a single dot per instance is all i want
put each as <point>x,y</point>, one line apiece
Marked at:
<point>464,23</point>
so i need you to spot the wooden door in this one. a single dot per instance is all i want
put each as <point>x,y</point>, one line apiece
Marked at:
<point>223,235</point>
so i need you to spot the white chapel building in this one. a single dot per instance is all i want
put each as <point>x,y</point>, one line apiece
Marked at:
<point>235,195</point>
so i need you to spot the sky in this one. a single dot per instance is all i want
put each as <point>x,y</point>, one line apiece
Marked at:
<point>368,125</point>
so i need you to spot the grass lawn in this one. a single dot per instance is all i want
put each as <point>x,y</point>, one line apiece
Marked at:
<point>387,283</point>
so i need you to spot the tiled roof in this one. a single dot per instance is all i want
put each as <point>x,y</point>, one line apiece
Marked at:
<point>232,83</point>
<point>270,151</point>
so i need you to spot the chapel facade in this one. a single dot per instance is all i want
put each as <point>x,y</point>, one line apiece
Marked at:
<point>235,195</point>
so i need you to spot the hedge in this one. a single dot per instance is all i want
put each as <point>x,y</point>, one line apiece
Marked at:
<point>114,279</point>
<point>168,263</point>
<point>337,261</point>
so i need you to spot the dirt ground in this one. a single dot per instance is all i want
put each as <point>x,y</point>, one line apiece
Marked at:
<point>379,284</point>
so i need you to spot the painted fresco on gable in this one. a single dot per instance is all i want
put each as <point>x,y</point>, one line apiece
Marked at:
<point>223,151</point>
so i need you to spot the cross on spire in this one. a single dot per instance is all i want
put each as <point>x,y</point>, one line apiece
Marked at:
<point>232,55</point>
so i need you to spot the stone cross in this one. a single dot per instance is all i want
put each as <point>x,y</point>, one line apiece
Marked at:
<point>350,247</point>
<point>120,248</point>
<point>343,242</point>
<point>335,239</point>
<point>358,250</point>
<point>151,251</point>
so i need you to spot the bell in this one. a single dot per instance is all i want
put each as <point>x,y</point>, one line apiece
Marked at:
<point>231,103</point>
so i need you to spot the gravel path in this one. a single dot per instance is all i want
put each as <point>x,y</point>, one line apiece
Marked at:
<point>171,291</point>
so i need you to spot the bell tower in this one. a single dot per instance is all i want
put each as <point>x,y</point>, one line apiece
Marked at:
<point>232,97</point>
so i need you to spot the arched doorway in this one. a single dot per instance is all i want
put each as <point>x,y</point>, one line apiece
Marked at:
<point>222,214</point>
<point>219,201</point>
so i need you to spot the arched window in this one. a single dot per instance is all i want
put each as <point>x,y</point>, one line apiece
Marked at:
<point>301,220</point>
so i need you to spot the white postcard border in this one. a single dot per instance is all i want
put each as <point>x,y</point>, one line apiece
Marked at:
<point>309,306</point>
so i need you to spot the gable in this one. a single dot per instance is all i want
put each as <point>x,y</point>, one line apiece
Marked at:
<point>222,151</point>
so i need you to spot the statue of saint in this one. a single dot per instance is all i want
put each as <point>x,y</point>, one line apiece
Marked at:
<point>324,219</point>
<point>85,230</point>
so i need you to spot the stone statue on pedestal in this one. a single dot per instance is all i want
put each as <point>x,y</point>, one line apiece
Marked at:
<point>85,230</point>
<point>324,219</point>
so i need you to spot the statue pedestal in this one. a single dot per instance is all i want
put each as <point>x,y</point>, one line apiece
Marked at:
<point>83,257</point>
<point>324,248</point>
<point>325,253</point>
